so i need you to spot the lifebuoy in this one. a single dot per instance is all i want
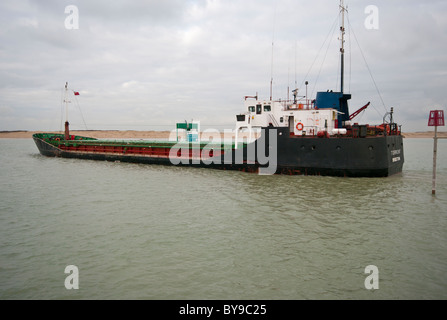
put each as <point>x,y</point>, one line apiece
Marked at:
<point>299,126</point>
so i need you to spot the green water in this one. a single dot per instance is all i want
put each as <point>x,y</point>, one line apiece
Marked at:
<point>155,232</point>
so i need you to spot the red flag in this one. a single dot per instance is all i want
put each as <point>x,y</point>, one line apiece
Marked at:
<point>76,93</point>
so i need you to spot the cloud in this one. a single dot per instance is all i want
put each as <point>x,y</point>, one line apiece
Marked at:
<point>148,64</point>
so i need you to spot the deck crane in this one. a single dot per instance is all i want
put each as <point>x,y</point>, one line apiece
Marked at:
<point>356,113</point>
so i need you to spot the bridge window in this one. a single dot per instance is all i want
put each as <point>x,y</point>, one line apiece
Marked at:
<point>267,108</point>
<point>251,108</point>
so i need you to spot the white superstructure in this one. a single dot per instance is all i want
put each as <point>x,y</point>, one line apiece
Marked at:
<point>301,118</point>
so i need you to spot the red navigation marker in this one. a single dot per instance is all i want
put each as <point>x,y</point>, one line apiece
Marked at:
<point>436,118</point>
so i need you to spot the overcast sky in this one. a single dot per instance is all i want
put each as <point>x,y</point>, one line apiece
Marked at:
<point>145,65</point>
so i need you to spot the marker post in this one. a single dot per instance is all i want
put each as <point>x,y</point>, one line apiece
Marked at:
<point>436,119</point>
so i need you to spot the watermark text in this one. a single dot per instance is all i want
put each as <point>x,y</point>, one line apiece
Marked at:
<point>261,153</point>
<point>72,280</point>
<point>372,280</point>
<point>372,20</point>
<point>72,20</point>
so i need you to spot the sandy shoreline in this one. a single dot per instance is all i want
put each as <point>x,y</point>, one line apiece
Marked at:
<point>129,134</point>
<point>99,134</point>
<point>427,134</point>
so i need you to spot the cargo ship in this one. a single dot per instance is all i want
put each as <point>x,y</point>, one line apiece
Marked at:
<point>297,136</point>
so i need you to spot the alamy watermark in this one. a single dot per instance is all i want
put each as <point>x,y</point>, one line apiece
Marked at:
<point>372,280</point>
<point>72,20</point>
<point>72,280</point>
<point>372,20</point>
<point>262,152</point>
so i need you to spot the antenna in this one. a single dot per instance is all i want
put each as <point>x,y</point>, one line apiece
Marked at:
<point>271,71</point>
<point>306,83</point>
<point>295,63</point>
<point>342,47</point>
<point>273,41</point>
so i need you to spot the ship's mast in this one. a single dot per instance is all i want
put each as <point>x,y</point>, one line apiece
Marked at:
<point>66,101</point>
<point>342,47</point>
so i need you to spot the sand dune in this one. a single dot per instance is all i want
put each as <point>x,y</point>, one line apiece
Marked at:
<point>99,134</point>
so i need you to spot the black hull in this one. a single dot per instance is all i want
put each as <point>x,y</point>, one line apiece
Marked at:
<point>378,156</point>
<point>47,149</point>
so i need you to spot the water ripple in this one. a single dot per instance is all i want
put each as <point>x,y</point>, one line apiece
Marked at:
<point>155,232</point>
